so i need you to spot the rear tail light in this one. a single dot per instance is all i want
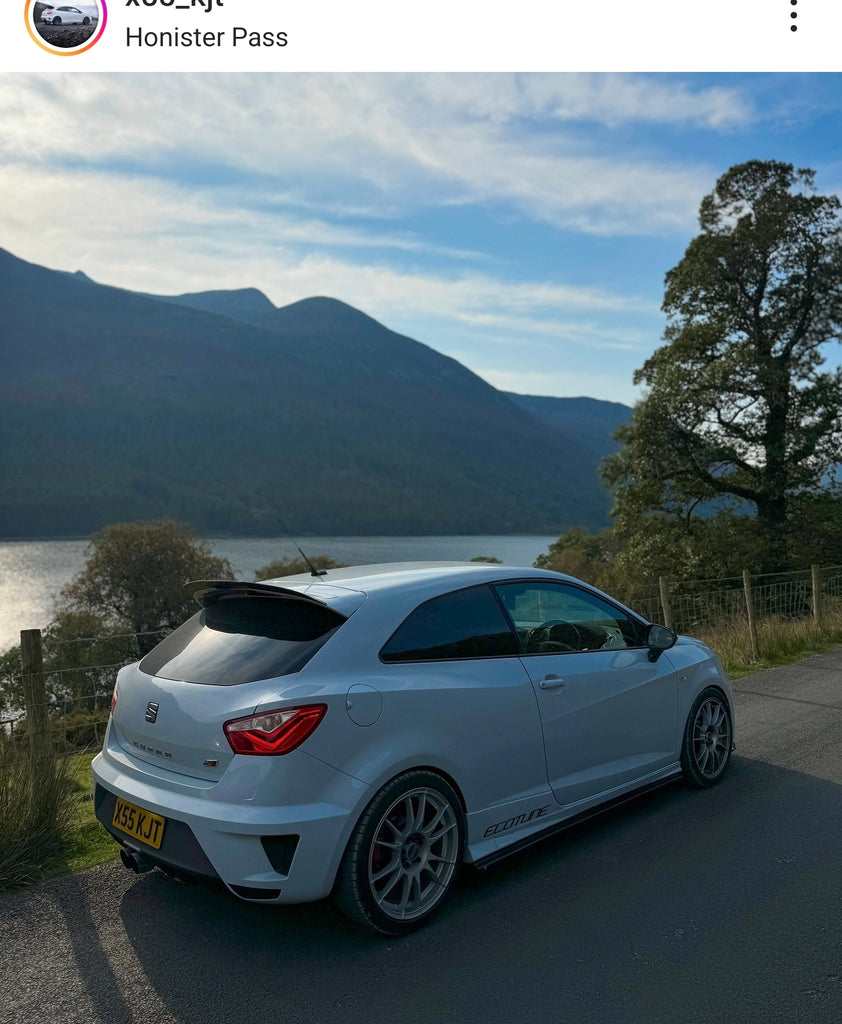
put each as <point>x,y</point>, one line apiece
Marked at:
<point>113,700</point>
<point>273,732</point>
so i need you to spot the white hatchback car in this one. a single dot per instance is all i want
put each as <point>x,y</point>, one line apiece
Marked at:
<point>367,732</point>
<point>65,16</point>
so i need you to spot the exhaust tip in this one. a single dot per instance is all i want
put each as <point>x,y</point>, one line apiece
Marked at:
<point>129,860</point>
<point>135,862</point>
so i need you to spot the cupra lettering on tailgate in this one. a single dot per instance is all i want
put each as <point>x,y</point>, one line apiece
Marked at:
<point>152,750</point>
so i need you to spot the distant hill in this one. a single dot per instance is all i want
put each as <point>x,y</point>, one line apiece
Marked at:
<point>246,304</point>
<point>588,421</point>
<point>591,421</point>
<point>119,406</point>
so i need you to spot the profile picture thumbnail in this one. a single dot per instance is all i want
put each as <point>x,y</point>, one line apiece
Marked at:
<point>67,27</point>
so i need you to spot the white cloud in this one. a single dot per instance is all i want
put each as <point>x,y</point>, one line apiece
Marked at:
<point>590,334</point>
<point>162,239</point>
<point>608,99</point>
<point>109,227</point>
<point>411,140</point>
<point>350,186</point>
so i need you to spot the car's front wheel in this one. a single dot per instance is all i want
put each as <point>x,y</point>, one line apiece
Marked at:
<point>404,854</point>
<point>708,738</point>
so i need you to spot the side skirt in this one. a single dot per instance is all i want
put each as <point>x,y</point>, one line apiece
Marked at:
<point>576,819</point>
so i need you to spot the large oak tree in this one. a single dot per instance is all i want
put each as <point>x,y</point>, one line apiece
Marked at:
<point>740,406</point>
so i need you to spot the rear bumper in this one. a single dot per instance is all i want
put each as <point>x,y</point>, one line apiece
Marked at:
<point>272,852</point>
<point>179,849</point>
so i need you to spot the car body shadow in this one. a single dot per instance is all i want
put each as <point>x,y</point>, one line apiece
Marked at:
<point>683,905</point>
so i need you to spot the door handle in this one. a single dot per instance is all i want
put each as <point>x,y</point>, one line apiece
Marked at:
<point>551,682</point>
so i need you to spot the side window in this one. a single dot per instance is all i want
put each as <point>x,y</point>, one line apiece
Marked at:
<point>555,618</point>
<point>464,624</point>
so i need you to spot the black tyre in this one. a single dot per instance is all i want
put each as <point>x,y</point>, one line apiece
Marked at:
<point>708,738</point>
<point>403,856</point>
<point>56,21</point>
<point>86,21</point>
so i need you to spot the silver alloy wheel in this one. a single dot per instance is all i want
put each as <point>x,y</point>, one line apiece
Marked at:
<point>711,737</point>
<point>414,854</point>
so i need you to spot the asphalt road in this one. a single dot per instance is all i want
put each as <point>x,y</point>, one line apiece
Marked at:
<point>716,906</point>
<point>65,35</point>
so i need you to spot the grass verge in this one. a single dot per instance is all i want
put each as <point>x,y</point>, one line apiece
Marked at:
<point>780,641</point>
<point>47,823</point>
<point>88,844</point>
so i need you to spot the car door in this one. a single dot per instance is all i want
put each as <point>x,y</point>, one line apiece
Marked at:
<point>608,712</point>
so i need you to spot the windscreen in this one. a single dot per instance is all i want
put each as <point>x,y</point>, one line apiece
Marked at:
<point>240,639</point>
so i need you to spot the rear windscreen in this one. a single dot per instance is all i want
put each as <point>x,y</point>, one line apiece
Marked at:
<point>239,639</point>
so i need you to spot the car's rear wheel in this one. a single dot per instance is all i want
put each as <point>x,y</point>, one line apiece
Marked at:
<point>56,21</point>
<point>403,856</point>
<point>86,21</point>
<point>708,738</point>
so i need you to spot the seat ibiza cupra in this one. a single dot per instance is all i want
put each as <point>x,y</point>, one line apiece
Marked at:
<point>366,732</point>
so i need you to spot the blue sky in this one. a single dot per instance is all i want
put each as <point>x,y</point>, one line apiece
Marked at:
<point>522,224</point>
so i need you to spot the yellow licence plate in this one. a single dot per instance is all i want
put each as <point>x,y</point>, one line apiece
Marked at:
<point>142,825</point>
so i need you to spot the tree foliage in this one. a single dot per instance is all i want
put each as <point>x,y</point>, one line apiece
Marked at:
<point>134,577</point>
<point>80,650</point>
<point>294,566</point>
<point>586,556</point>
<point>114,611</point>
<point>740,410</point>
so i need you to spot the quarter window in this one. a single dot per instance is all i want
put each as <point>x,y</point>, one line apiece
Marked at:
<point>555,618</point>
<point>464,624</point>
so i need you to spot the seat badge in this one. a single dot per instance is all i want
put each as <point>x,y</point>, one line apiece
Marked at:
<point>151,711</point>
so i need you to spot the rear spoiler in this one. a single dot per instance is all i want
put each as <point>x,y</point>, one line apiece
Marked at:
<point>206,592</point>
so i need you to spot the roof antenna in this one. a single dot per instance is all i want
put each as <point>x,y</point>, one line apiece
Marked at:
<point>313,570</point>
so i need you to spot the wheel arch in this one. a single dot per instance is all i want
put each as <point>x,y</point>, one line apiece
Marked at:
<point>347,889</point>
<point>697,774</point>
<point>724,692</point>
<point>434,769</point>
<point>706,679</point>
<point>381,785</point>
<point>448,778</point>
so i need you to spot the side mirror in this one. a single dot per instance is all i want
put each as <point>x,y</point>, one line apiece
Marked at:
<point>658,640</point>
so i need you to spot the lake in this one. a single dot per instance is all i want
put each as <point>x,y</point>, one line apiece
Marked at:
<point>32,572</point>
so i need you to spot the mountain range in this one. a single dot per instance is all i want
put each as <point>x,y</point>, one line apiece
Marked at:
<point>224,411</point>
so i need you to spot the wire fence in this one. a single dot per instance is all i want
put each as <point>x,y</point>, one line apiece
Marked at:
<point>690,605</point>
<point>73,682</point>
<point>751,616</point>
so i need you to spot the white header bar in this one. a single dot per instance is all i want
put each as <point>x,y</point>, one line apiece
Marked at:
<point>437,35</point>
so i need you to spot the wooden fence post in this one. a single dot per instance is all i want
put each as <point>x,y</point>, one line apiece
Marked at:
<point>666,606</point>
<point>752,624</point>
<point>35,695</point>
<point>817,593</point>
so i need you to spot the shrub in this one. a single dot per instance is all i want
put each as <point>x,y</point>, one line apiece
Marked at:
<point>79,731</point>
<point>37,813</point>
